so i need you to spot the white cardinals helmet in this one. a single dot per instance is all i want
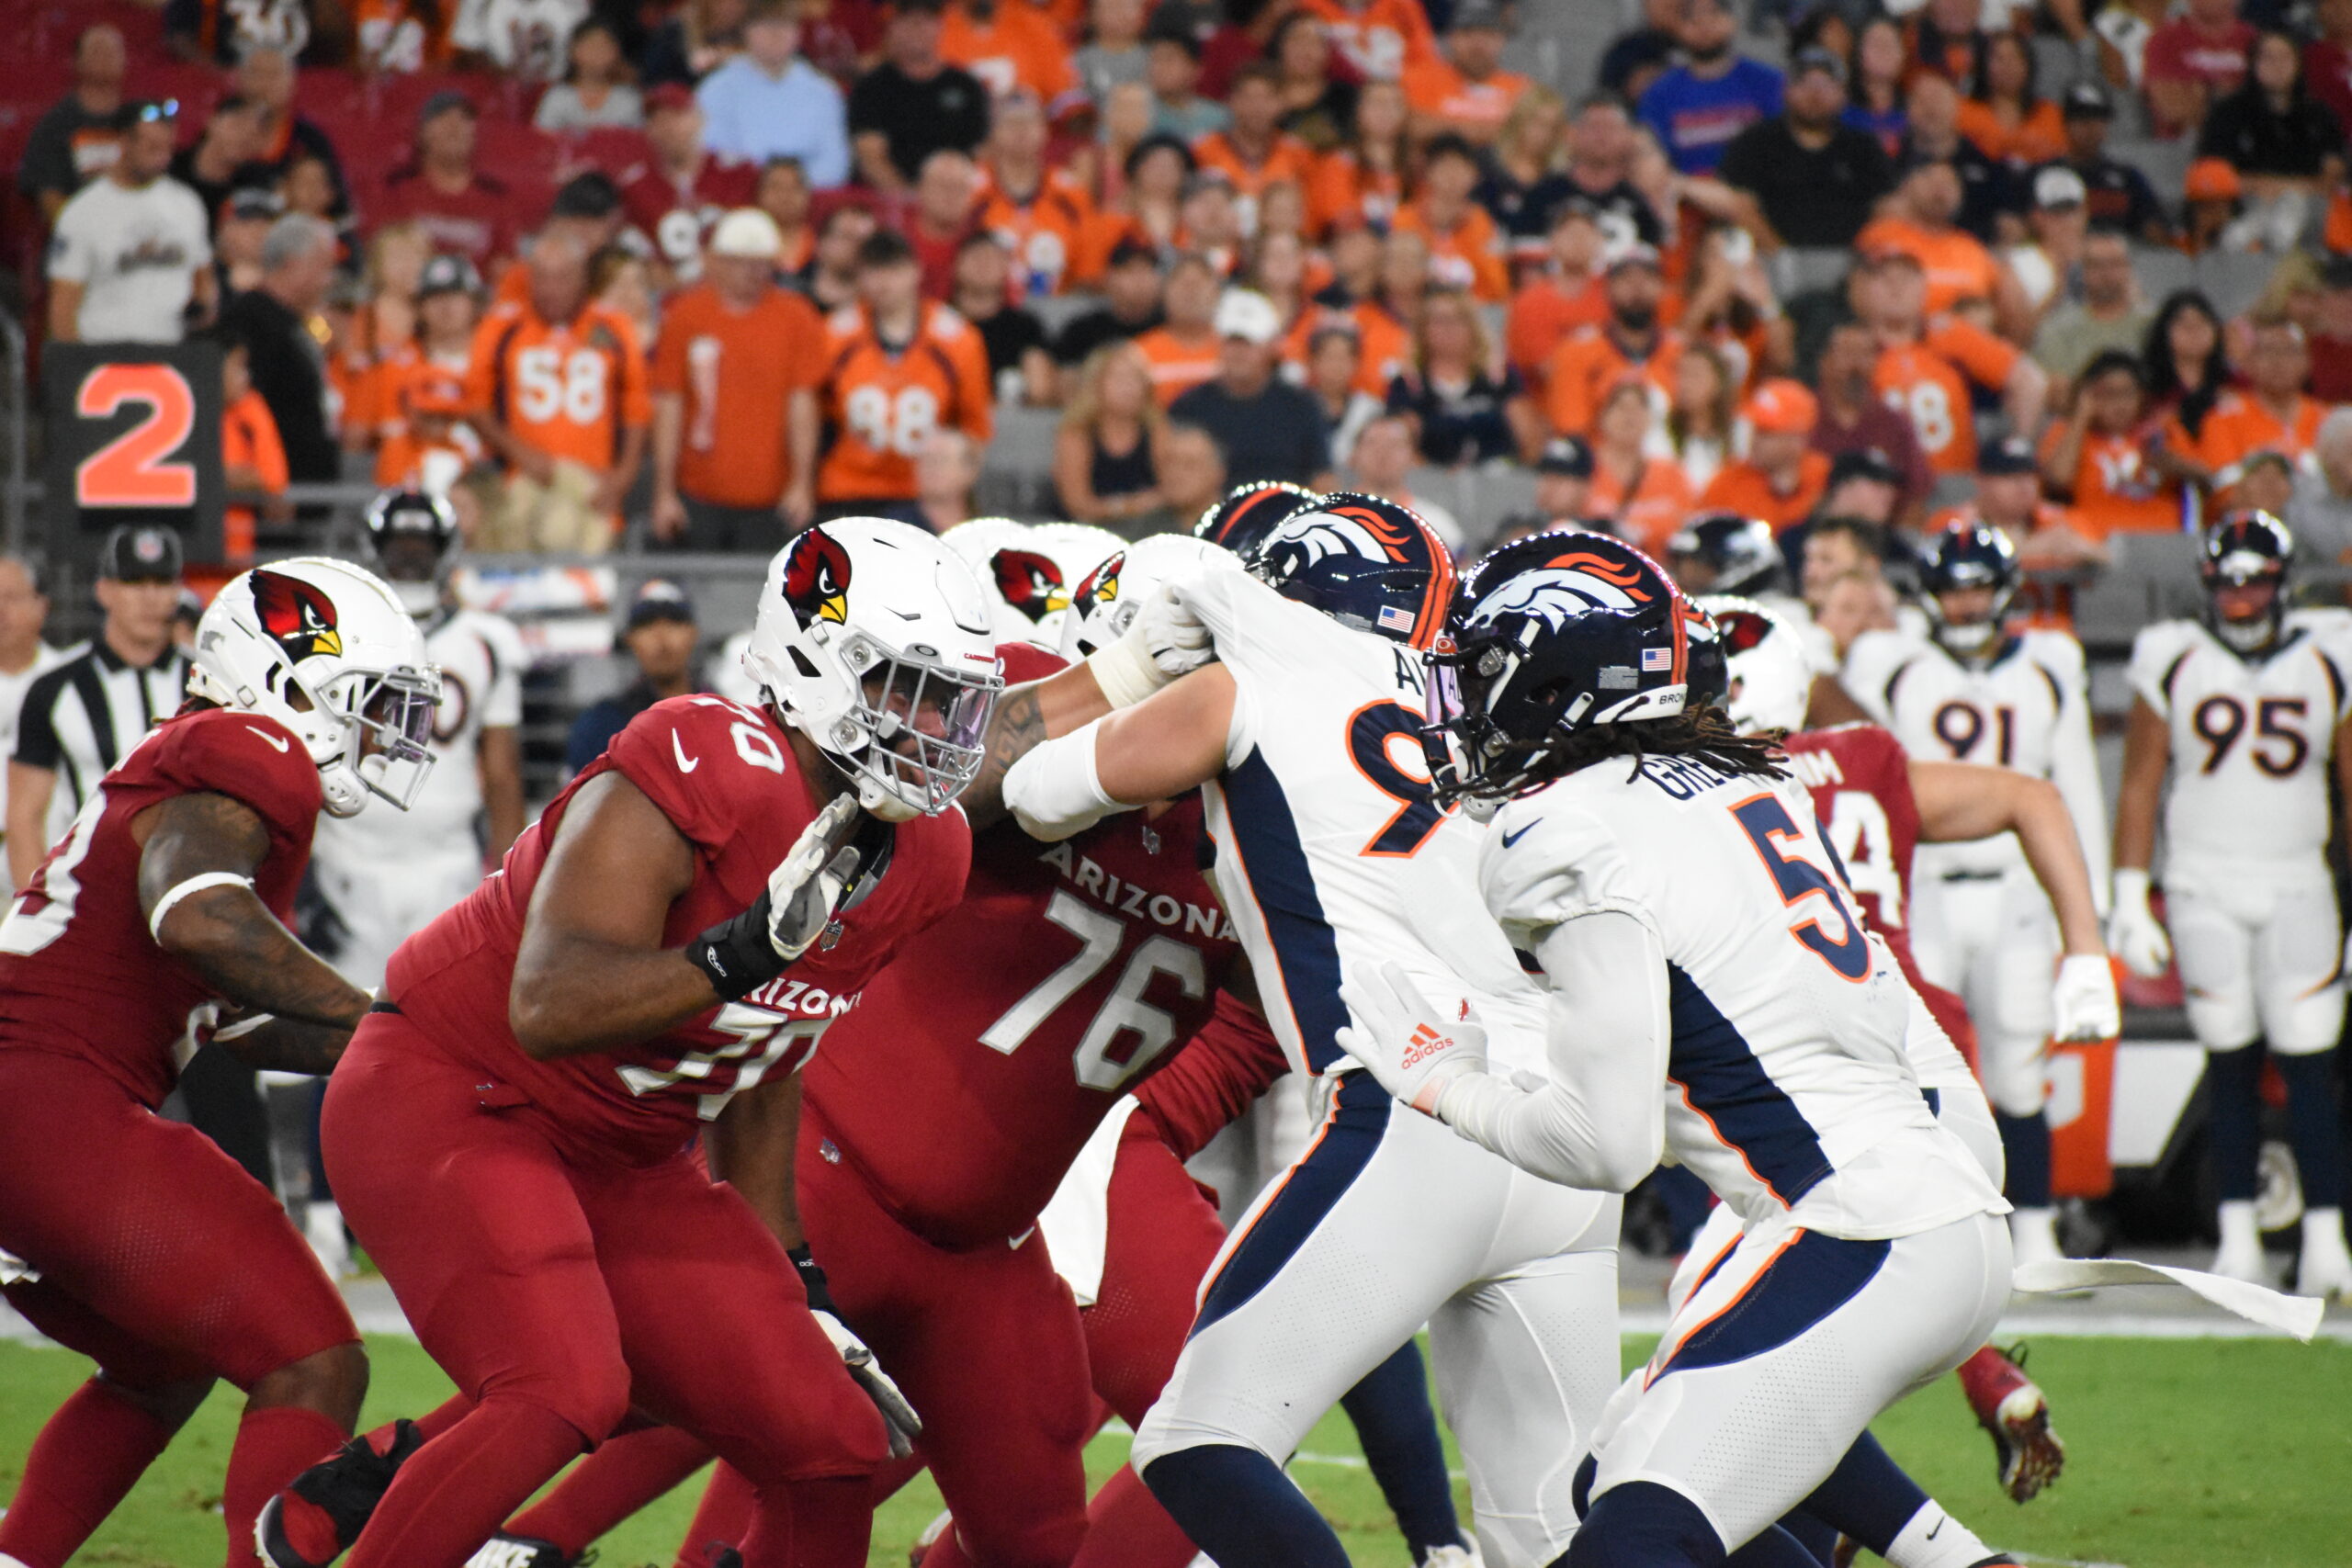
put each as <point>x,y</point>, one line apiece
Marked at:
<point>333,635</point>
<point>871,636</point>
<point>1024,583</point>
<point>1770,672</point>
<point>1108,597</point>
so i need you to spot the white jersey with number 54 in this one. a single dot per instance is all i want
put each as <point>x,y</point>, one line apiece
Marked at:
<point>1331,855</point>
<point>1789,1087</point>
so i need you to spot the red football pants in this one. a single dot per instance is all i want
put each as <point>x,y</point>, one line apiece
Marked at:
<point>583,1288</point>
<point>160,1258</point>
<point>1162,1235</point>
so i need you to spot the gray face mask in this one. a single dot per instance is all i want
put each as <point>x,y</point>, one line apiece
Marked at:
<point>2248,635</point>
<point>419,599</point>
<point>1969,638</point>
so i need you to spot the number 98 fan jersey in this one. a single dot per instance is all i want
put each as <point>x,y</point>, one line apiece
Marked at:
<point>881,401</point>
<point>2251,743</point>
<point>727,778</point>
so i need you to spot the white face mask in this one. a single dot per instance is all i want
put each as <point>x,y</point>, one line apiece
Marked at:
<point>419,599</point>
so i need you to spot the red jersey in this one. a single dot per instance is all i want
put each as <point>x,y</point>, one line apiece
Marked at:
<point>676,219</point>
<point>79,974</point>
<point>1214,1080</point>
<point>975,1068</point>
<point>725,776</point>
<point>1861,781</point>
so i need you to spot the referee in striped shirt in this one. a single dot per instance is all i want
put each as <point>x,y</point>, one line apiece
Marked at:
<point>82,716</point>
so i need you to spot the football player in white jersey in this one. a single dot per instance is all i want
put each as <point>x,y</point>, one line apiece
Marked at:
<point>1713,993</point>
<point>383,885</point>
<point>1974,691</point>
<point>2244,708</point>
<point>1332,859</point>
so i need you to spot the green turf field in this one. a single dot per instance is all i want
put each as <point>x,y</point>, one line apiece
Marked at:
<point>2183,1454</point>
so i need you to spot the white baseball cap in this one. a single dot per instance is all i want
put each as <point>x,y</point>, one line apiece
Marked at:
<point>1247,314</point>
<point>2058,186</point>
<point>749,232</point>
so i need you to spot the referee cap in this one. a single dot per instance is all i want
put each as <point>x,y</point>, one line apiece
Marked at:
<point>141,553</point>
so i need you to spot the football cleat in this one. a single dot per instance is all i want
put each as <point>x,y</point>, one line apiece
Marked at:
<point>1464,1555</point>
<point>2012,1408</point>
<point>504,1550</point>
<point>323,1510</point>
<point>2325,1267</point>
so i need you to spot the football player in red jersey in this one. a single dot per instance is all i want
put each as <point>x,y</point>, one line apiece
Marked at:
<point>1876,804</point>
<point>659,955</point>
<point>938,1126</point>
<point>514,1143</point>
<point>143,1245</point>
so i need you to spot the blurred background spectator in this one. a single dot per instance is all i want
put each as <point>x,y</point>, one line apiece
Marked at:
<point>81,135</point>
<point>913,103</point>
<point>768,102</point>
<point>1106,470</point>
<point>1266,428</point>
<point>596,89</point>
<point>276,323</point>
<point>658,635</point>
<point>130,259</point>
<point>733,381</point>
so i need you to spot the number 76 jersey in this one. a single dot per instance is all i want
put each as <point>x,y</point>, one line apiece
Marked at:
<point>2251,742</point>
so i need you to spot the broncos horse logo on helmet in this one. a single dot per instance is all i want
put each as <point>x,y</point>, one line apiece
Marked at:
<point>1030,581</point>
<point>1553,635</point>
<point>1247,514</point>
<point>1363,560</point>
<point>298,616</point>
<point>816,578</point>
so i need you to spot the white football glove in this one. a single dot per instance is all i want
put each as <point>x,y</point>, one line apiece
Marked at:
<point>2083,1002</point>
<point>1165,641</point>
<point>1409,1043</point>
<point>2134,932</point>
<point>804,890</point>
<point>748,950</point>
<point>897,1416</point>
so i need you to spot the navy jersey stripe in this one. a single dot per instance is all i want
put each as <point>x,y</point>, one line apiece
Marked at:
<point>1283,889</point>
<point>1346,1145</point>
<point>1711,1063</point>
<point>1807,1281</point>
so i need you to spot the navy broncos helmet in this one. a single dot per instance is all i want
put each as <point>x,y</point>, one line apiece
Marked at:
<point>1968,554</point>
<point>1250,512</point>
<point>1728,554</point>
<point>1553,635</point>
<point>2246,550</point>
<point>411,534</point>
<point>1364,561</point>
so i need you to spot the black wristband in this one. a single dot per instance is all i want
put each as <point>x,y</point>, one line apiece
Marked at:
<point>812,1279</point>
<point>737,954</point>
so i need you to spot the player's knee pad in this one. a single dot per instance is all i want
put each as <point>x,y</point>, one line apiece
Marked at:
<point>1641,1524</point>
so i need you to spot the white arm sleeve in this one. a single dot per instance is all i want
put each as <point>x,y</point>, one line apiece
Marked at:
<point>1600,1122</point>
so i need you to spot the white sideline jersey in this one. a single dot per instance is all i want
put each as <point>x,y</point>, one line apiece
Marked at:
<point>480,660</point>
<point>2252,738</point>
<point>1789,1089</point>
<point>2027,709</point>
<point>1332,857</point>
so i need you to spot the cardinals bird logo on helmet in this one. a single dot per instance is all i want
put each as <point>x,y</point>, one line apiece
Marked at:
<point>1030,582</point>
<point>815,579</point>
<point>298,616</point>
<point>1100,586</point>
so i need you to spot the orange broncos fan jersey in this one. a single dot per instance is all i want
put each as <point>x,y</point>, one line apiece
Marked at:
<point>1047,232</point>
<point>1018,46</point>
<point>1381,37</point>
<point>881,403</point>
<point>1928,382</point>
<point>569,389</point>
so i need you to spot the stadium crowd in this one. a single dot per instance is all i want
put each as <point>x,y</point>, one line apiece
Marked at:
<point>707,271</point>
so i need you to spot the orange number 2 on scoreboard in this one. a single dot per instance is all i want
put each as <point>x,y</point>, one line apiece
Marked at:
<point>131,469</point>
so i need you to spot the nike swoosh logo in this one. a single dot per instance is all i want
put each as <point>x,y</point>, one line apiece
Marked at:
<point>273,739</point>
<point>1510,838</point>
<point>686,764</point>
<point>1938,1530</point>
